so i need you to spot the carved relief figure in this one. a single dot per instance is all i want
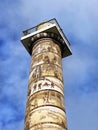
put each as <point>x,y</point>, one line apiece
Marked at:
<point>49,48</point>
<point>34,87</point>
<point>46,84</point>
<point>56,74</point>
<point>36,72</point>
<point>46,97</point>
<point>46,59</point>
<point>54,60</point>
<point>59,97</point>
<point>52,85</point>
<point>39,86</point>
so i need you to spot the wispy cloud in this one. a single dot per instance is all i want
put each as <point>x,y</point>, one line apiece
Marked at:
<point>78,20</point>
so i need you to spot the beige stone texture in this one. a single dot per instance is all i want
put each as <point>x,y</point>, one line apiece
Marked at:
<point>45,109</point>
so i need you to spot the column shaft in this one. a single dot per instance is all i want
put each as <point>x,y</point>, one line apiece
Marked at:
<point>45,108</point>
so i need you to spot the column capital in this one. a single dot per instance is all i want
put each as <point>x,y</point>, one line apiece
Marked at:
<point>59,41</point>
<point>50,29</point>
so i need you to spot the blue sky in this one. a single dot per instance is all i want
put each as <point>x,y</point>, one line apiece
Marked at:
<point>79,21</point>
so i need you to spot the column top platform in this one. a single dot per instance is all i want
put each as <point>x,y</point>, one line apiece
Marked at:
<point>50,26</point>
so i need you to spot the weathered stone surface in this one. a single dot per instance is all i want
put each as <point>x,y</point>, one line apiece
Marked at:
<point>45,104</point>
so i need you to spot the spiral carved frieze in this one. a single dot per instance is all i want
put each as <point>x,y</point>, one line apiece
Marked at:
<point>45,109</point>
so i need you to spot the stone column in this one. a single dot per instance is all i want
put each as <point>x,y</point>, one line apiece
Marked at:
<point>45,108</point>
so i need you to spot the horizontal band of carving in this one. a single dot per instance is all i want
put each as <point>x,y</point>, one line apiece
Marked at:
<point>37,79</point>
<point>30,111</point>
<point>51,125</point>
<point>60,67</point>
<point>59,84</point>
<point>45,90</point>
<point>45,52</point>
<point>46,97</point>
<point>46,113</point>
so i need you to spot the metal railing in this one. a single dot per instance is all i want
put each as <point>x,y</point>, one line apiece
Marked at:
<point>33,29</point>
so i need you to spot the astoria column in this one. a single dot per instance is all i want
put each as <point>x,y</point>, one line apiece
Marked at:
<point>45,109</point>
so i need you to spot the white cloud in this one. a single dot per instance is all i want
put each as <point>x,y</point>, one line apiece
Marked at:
<point>79,21</point>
